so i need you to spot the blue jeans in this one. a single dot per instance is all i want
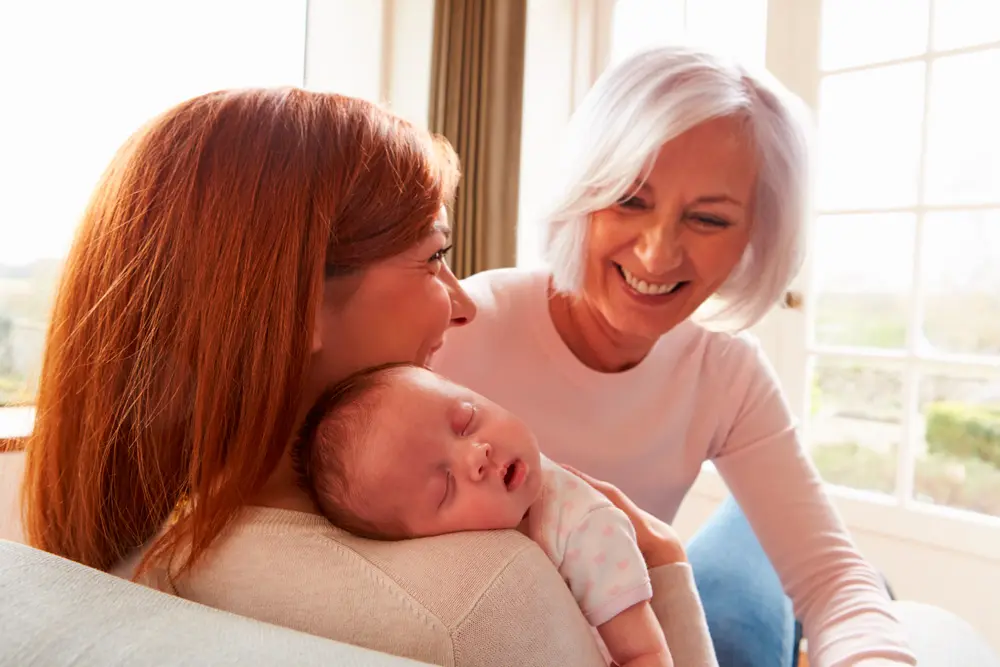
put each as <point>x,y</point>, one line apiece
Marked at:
<point>749,616</point>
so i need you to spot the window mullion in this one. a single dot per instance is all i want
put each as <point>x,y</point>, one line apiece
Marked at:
<point>911,427</point>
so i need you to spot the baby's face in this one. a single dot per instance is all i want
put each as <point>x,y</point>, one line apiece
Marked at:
<point>440,458</point>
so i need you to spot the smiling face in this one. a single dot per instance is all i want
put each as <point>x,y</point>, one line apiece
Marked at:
<point>440,458</point>
<point>660,252</point>
<point>396,310</point>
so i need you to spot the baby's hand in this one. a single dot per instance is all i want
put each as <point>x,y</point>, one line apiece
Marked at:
<point>634,638</point>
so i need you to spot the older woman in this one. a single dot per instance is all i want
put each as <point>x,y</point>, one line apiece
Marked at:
<point>682,204</point>
<point>243,251</point>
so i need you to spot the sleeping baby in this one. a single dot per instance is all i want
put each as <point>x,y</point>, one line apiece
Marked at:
<point>398,452</point>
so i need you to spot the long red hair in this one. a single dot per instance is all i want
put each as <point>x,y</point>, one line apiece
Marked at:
<point>180,336</point>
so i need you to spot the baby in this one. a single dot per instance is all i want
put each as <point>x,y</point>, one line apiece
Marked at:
<point>399,452</point>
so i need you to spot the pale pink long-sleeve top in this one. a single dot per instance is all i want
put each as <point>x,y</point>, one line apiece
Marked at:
<point>697,396</point>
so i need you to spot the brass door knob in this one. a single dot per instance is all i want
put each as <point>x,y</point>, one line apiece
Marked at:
<point>793,299</point>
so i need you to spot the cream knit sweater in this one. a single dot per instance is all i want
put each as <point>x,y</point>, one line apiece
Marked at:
<point>486,599</point>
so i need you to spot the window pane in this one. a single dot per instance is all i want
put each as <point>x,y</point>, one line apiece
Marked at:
<point>736,28</point>
<point>862,32</point>
<point>88,76</point>
<point>961,274</point>
<point>863,276</point>
<point>639,24</point>
<point>855,423</point>
<point>958,459</point>
<point>963,149</point>
<point>959,23</point>
<point>869,137</point>
<point>26,292</point>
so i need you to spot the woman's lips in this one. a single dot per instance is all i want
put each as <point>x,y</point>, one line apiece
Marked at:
<point>649,299</point>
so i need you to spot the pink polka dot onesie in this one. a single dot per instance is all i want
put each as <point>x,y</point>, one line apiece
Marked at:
<point>591,542</point>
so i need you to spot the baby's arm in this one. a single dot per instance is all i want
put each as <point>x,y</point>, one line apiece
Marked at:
<point>634,638</point>
<point>607,574</point>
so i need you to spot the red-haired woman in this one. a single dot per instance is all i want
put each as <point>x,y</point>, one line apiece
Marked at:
<point>243,251</point>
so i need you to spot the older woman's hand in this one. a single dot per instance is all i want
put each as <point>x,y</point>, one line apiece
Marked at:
<point>657,541</point>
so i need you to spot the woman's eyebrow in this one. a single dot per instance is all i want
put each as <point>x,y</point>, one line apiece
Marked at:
<point>443,228</point>
<point>438,227</point>
<point>718,199</point>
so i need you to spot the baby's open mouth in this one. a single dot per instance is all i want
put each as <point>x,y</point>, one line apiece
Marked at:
<point>513,475</point>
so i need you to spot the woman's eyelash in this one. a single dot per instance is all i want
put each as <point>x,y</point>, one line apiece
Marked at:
<point>712,221</point>
<point>631,201</point>
<point>440,254</point>
<point>636,203</point>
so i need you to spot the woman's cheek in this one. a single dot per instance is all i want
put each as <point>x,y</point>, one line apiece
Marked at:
<point>443,304</point>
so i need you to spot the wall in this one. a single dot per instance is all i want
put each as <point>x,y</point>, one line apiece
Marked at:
<point>411,34</point>
<point>344,47</point>
<point>548,89</point>
<point>379,50</point>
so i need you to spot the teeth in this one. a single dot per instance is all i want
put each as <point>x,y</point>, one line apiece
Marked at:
<point>643,287</point>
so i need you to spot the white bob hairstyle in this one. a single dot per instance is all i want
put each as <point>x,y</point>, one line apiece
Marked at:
<point>642,103</point>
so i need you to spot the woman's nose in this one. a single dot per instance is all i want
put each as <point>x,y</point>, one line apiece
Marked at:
<point>463,309</point>
<point>659,249</point>
<point>480,461</point>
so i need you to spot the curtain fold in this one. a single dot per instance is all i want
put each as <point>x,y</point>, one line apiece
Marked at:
<point>477,81</point>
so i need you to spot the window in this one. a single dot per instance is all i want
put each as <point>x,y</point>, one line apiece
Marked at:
<point>90,74</point>
<point>87,77</point>
<point>904,345</point>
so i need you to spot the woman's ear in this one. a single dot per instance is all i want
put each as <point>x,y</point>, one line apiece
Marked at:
<point>336,294</point>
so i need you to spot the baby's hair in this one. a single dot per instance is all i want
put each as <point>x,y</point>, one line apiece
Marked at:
<point>327,448</point>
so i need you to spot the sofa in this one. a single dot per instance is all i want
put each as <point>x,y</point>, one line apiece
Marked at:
<point>57,613</point>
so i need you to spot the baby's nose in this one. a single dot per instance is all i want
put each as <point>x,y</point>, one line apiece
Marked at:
<point>480,461</point>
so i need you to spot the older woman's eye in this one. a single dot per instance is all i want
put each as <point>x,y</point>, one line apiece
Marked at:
<point>632,202</point>
<point>711,221</point>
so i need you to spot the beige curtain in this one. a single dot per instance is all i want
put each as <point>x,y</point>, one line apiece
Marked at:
<point>477,78</point>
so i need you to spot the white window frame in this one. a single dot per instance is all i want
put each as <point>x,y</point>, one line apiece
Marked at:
<point>793,57</point>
